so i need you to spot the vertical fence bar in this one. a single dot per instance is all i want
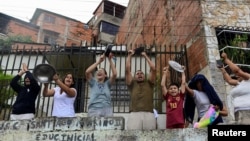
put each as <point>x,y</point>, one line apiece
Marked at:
<point>12,61</point>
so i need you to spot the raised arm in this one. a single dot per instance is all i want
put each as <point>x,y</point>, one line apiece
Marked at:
<point>236,70</point>
<point>227,78</point>
<point>163,81</point>
<point>69,91</point>
<point>46,91</point>
<point>128,74</point>
<point>183,81</point>
<point>33,82</point>
<point>91,68</point>
<point>152,74</point>
<point>189,90</point>
<point>113,69</point>
<point>14,82</point>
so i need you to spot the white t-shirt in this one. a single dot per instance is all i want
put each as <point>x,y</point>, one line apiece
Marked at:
<point>202,102</point>
<point>63,104</point>
<point>239,98</point>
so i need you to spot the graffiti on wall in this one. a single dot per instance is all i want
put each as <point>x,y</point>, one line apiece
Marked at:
<point>64,123</point>
<point>65,137</point>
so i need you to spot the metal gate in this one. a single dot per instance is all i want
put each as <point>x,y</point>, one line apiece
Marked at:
<point>76,60</point>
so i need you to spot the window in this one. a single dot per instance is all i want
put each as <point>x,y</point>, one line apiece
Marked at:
<point>114,9</point>
<point>235,41</point>
<point>49,40</point>
<point>109,28</point>
<point>49,19</point>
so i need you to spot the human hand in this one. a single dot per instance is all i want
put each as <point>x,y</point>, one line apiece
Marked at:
<point>216,107</point>
<point>101,59</point>
<point>143,53</point>
<point>131,52</point>
<point>25,68</point>
<point>166,69</point>
<point>22,71</point>
<point>221,68</point>
<point>111,55</point>
<point>224,55</point>
<point>55,77</point>
<point>183,68</point>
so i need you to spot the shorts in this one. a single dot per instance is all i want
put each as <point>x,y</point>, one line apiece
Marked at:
<point>100,112</point>
<point>21,116</point>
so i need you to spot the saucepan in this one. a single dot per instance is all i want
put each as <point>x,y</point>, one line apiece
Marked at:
<point>44,73</point>
<point>139,50</point>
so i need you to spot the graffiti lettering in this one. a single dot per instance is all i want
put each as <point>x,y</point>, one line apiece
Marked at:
<point>5,126</point>
<point>64,121</point>
<point>108,122</point>
<point>85,123</point>
<point>9,125</point>
<point>46,123</point>
<point>65,137</point>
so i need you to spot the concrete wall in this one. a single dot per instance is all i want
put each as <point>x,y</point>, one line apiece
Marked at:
<point>89,129</point>
<point>161,120</point>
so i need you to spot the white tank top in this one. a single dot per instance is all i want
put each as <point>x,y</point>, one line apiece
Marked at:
<point>63,105</point>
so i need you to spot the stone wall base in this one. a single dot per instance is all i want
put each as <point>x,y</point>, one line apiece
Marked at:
<point>242,117</point>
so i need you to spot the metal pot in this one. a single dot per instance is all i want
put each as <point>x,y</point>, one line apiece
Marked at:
<point>44,73</point>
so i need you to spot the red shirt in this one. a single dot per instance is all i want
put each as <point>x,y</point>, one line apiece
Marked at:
<point>174,106</point>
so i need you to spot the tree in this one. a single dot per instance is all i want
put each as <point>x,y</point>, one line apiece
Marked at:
<point>5,91</point>
<point>5,44</point>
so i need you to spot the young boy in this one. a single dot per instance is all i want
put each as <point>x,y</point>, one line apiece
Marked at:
<point>174,100</point>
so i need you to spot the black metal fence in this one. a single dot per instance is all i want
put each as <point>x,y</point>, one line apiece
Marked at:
<point>76,60</point>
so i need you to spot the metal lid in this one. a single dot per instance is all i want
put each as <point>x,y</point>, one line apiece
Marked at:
<point>44,73</point>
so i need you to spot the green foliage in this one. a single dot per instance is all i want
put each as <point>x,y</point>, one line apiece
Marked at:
<point>5,91</point>
<point>238,39</point>
<point>17,38</point>
<point>238,55</point>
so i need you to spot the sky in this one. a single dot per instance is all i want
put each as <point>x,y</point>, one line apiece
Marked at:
<point>81,10</point>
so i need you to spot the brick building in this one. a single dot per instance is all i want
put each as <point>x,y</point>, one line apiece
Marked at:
<point>106,22</point>
<point>60,30</point>
<point>12,26</point>
<point>49,28</point>
<point>204,27</point>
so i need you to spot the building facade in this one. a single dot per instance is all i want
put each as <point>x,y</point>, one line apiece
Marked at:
<point>106,22</point>
<point>204,27</point>
<point>59,30</point>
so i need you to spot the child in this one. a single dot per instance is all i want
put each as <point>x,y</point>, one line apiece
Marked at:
<point>174,99</point>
